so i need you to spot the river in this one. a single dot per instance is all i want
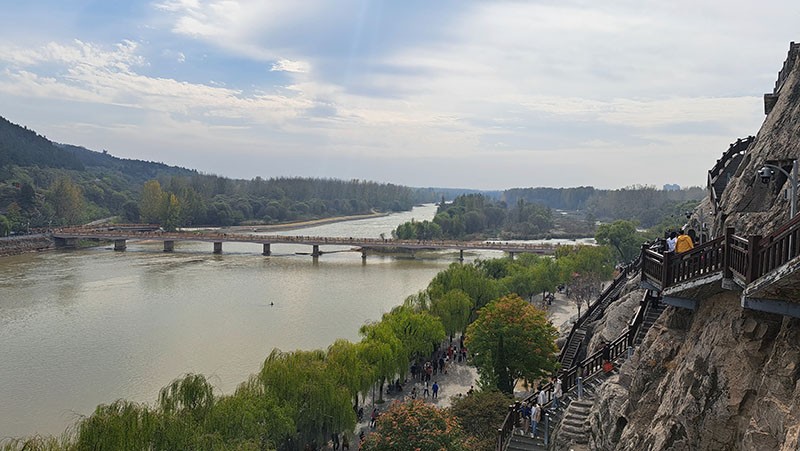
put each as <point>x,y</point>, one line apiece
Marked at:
<point>85,327</point>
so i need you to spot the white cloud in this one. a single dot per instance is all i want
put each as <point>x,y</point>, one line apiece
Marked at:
<point>285,65</point>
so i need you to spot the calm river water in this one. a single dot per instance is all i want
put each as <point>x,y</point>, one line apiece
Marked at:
<point>81,328</point>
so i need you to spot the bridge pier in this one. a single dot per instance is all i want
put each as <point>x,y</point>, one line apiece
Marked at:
<point>511,255</point>
<point>461,255</point>
<point>363,255</point>
<point>119,245</point>
<point>315,251</point>
<point>266,250</point>
<point>65,242</point>
<point>169,246</point>
<point>218,247</point>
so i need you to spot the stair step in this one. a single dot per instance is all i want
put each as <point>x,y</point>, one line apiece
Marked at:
<point>574,422</point>
<point>574,430</point>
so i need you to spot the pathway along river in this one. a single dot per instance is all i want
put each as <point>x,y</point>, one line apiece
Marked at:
<point>81,328</point>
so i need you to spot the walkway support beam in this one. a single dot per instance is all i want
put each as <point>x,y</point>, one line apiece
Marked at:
<point>119,245</point>
<point>169,246</point>
<point>267,251</point>
<point>217,247</point>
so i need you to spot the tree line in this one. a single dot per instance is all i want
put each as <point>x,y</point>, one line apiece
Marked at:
<point>300,398</point>
<point>474,216</point>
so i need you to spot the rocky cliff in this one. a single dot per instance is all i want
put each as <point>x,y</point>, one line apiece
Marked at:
<point>720,377</point>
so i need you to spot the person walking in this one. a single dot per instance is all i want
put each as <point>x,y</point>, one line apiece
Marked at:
<point>557,392</point>
<point>435,390</point>
<point>536,417</point>
<point>425,391</point>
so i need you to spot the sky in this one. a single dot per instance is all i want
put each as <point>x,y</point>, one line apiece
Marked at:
<point>451,93</point>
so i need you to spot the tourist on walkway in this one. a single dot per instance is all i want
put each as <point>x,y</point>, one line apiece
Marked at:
<point>536,417</point>
<point>673,238</point>
<point>345,442</point>
<point>683,243</point>
<point>557,392</point>
<point>425,391</point>
<point>542,396</point>
<point>435,390</point>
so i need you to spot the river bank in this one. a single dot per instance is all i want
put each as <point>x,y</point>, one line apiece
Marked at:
<point>16,245</point>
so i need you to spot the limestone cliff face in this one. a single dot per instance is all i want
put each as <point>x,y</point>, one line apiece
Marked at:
<point>720,377</point>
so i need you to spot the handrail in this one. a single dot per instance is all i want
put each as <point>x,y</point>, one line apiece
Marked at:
<point>698,262</point>
<point>777,248</point>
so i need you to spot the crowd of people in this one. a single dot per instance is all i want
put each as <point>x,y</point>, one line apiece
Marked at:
<point>531,412</point>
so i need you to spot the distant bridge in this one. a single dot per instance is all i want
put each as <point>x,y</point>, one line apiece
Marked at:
<point>120,237</point>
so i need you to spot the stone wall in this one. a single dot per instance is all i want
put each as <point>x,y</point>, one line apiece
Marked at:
<point>24,244</point>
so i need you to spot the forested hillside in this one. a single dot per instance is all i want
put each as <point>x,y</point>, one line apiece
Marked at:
<point>45,184</point>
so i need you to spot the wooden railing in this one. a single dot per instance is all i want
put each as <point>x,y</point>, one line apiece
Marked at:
<point>742,259</point>
<point>776,249</point>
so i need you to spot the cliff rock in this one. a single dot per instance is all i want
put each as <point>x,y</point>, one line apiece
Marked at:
<point>720,377</point>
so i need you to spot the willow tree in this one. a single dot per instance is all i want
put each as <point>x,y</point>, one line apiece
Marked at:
<point>419,332</point>
<point>469,279</point>
<point>184,405</point>
<point>383,352</point>
<point>303,382</point>
<point>453,309</point>
<point>119,425</point>
<point>351,372</point>
<point>250,419</point>
<point>510,340</point>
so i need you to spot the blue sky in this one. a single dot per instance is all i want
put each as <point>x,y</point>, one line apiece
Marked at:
<point>478,94</point>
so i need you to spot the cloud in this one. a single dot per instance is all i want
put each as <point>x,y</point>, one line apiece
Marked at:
<point>285,65</point>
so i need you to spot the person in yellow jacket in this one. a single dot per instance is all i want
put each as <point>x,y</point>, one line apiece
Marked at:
<point>683,243</point>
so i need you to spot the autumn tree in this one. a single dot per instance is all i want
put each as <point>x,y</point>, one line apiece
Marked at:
<point>510,340</point>
<point>67,201</point>
<point>152,205</point>
<point>415,425</point>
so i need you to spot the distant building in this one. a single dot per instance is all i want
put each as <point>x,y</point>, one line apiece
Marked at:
<point>672,187</point>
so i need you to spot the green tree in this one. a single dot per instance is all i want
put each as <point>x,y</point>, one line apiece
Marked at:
<point>344,360</point>
<point>480,414</point>
<point>453,309</point>
<point>250,420</point>
<point>303,382</point>
<point>622,236</point>
<point>119,425</point>
<point>468,278</point>
<point>152,204</point>
<point>383,352</point>
<point>415,425</point>
<point>5,226</point>
<point>510,340</point>
<point>419,332</point>
<point>172,213</point>
<point>67,201</point>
